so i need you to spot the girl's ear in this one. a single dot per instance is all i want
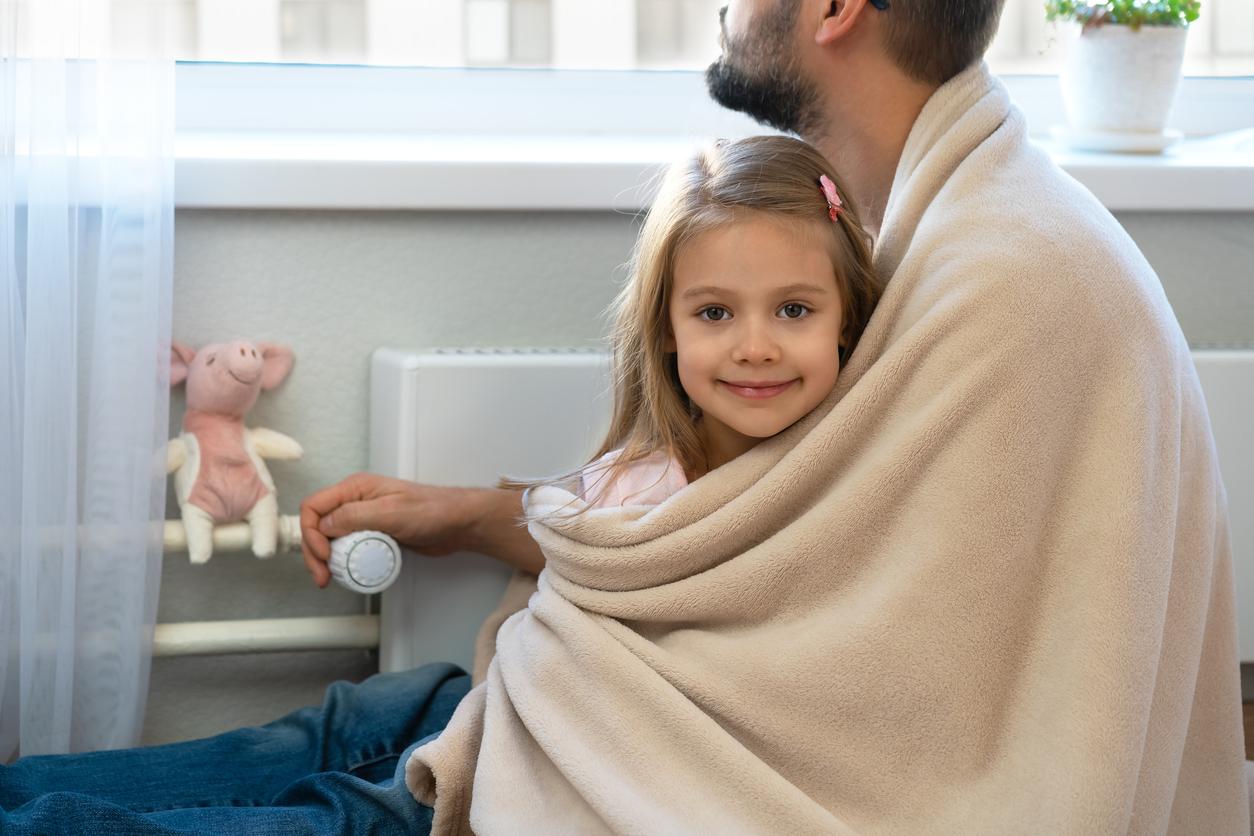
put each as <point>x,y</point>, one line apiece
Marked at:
<point>668,342</point>
<point>838,20</point>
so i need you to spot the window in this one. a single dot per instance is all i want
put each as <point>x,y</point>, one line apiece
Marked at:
<point>332,31</point>
<point>587,34</point>
<point>389,67</point>
<point>568,34</point>
<point>507,33</point>
<point>676,33</point>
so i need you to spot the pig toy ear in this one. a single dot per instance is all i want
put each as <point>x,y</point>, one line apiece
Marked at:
<point>181,357</point>
<point>276,363</point>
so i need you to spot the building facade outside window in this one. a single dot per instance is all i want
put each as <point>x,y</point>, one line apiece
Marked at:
<point>573,34</point>
<point>318,31</point>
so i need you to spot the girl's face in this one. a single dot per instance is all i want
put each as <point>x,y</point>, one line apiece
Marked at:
<point>755,319</point>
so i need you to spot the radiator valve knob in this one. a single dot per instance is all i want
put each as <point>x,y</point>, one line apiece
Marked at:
<point>365,561</point>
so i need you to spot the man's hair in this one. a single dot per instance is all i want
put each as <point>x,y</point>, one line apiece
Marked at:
<point>934,40</point>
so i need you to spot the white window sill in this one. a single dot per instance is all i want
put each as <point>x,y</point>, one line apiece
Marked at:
<point>602,173</point>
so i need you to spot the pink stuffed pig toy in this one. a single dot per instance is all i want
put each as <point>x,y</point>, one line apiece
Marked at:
<point>219,467</point>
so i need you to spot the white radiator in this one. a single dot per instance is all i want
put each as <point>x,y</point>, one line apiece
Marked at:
<point>1228,381</point>
<point>464,417</point>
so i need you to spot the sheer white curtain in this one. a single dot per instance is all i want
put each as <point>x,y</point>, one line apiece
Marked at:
<point>86,262</point>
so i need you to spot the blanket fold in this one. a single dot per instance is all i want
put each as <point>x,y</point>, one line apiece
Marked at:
<point>985,587</point>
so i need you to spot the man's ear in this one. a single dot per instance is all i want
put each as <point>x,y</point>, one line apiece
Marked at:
<point>838,20</point>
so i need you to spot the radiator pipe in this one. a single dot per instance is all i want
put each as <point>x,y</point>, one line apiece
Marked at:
<point>234,537</point>
<point>262,635</point>
<point>364,561</point>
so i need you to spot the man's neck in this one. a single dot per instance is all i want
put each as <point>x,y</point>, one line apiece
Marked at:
<point>864,137</point>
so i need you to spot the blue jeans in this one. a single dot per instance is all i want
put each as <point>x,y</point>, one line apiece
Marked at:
<point>337,768</point>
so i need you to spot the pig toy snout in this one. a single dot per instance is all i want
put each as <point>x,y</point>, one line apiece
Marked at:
<point>243,362</point>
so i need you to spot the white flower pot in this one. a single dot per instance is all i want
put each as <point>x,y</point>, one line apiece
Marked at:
<point>1117,80</point>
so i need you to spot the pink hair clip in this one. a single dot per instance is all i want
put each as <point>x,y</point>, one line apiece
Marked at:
<point>833,200</point>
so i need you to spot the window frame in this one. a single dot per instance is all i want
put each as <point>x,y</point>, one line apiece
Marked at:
<point>347,137</point>
<point>218,97</point>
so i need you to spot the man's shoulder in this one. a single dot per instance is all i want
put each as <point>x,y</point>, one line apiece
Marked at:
<point>1027,237</point>
<point>1028,220</point>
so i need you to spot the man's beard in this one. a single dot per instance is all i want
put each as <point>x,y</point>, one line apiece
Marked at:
<point>760,75</point>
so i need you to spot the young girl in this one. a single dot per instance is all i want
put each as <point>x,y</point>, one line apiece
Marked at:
<point>632,665</point>
<point>750,285</point>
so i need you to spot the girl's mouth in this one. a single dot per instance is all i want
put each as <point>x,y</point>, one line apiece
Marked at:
<point>757,390</point>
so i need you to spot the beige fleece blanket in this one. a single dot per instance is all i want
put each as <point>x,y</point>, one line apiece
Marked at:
<point>986,587</point>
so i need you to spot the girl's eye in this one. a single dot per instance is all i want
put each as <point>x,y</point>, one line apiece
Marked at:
<point>794,310</point>
<point>714,314</point>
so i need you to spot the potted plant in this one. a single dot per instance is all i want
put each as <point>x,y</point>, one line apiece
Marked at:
<point>1121,76</point>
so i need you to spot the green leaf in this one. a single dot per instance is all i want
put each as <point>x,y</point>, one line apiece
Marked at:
<point>1133,13</point>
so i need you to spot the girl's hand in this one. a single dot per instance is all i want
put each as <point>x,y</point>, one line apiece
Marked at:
<point>427,519</point>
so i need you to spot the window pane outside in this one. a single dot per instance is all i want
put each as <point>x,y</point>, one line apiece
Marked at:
<point>569,34</point>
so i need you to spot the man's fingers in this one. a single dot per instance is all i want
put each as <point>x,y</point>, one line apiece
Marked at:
<point>328,499</point>
<point>317,505</point>
<point>312,543</point>
<point>349,517</point>
<point>333,512</point>
<point>321,574</point>
<point>313,546</point>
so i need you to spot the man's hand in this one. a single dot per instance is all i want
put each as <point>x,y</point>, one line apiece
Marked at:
<point>427,519</point>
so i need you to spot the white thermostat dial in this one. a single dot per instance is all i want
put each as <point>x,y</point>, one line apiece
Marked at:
<point>365,561</point>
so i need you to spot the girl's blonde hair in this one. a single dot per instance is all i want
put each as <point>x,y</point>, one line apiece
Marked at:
<point>776,175</point>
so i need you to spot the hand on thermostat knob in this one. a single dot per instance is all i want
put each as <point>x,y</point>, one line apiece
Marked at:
<point>365,561</point>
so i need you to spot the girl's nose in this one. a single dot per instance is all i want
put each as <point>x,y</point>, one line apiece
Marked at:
<point>755,344</point>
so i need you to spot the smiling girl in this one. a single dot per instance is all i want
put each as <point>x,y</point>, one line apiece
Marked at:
<point>751,282</point>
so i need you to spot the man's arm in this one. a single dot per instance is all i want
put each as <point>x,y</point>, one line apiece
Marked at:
<point>498,532</point>
<point>428,519</point>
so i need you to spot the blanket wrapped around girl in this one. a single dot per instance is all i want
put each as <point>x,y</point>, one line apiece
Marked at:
<point>985,586</point>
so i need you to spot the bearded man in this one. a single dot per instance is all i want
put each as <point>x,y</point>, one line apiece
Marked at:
<point>1030,625</point>
<point>848,77</point>
<point>972,220</point>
